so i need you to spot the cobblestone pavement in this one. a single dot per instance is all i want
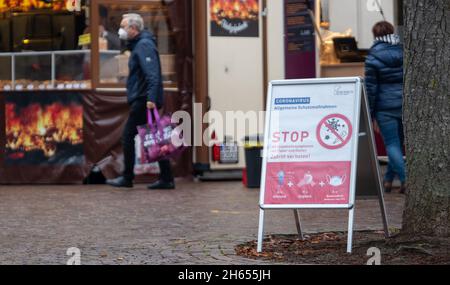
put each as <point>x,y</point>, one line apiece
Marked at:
<point>199,223</point>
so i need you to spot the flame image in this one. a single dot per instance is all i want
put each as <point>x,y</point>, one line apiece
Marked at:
<point>27,5</point>
<point>234,10</point>
<point>3,5</point>
<point>38,127</point>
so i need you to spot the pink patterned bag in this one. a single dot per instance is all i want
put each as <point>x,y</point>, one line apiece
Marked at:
<point>156,138</point>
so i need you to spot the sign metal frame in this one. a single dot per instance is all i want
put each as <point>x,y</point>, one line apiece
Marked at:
<point>361,109</point>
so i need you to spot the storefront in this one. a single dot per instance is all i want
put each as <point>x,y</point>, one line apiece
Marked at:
<point>294,44</point>
<point>345,57</point>
<point>62,84</point>
<point>63,69</point>
<point>293,39</point>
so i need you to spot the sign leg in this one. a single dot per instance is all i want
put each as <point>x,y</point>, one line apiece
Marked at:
<point>377,173</point>
<point>351,218</point>
<point>375,164</point>
<point>384,216</point>
<point>261,231</point>
<point>298,224</point>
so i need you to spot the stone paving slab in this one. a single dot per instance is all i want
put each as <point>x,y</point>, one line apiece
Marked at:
<point>199,223</point>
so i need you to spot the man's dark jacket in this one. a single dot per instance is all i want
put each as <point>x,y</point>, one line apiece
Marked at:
<point>144,80</point>
<point>384,77</point>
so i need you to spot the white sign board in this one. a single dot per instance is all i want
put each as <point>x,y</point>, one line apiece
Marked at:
<point>311,145</point>
<point>311,138</point>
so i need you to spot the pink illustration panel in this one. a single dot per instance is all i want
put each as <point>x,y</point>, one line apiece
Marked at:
<point>308,183</point>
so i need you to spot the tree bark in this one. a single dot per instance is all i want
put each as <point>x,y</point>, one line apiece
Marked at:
<point>427,117</point>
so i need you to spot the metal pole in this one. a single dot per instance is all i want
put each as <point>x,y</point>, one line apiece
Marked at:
<point>261,231</point>
<point>351,217</point>
<point>13,72</point>
<point>381,9</point>
<point>298,224</point>
<point>53,69</point>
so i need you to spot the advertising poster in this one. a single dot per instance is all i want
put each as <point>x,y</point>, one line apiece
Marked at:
<point>311,143</point>
<point>300,40</point>
<point>44,129</point>
<point>234,18</point>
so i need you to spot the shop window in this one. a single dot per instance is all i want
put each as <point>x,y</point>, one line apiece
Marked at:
<point>111,54</point>
<point>39,45</point>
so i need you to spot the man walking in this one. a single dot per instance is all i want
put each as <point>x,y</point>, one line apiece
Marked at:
<point>144,91</point>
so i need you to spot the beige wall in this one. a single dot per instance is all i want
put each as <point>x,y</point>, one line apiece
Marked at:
<point>235,76</point>
<point>275,40</point>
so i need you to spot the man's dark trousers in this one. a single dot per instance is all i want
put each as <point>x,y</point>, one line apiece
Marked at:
<point>138,117</point>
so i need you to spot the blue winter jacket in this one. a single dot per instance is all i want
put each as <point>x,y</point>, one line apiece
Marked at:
<point>384,77</point>
<point>144,80</point>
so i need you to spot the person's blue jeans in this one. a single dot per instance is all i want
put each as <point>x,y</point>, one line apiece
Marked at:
<point>391,127</point>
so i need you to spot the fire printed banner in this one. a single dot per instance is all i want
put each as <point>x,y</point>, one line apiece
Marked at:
<point>234,18</point>
<point>27,5</point>
<point>51,156</point>
<point>44,128</point>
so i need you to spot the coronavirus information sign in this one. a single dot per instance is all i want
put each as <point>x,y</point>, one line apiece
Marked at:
<point>311,145</point>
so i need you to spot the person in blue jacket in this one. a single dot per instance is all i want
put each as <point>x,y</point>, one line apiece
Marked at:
<point>384,85</point>
<point>144,91</point>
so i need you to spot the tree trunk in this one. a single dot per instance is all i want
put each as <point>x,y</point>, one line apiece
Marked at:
<point>427,117</point>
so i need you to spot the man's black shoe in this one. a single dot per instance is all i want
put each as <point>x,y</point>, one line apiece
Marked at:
<point>160,185</point>
<point>120,182</point>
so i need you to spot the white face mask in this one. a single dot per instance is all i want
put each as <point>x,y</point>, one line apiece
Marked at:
<point>123,35</point>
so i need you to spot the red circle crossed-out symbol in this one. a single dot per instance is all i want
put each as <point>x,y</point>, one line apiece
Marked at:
<point>342,132</point>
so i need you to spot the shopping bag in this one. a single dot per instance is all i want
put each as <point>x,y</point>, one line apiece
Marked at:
<point>156,138</point>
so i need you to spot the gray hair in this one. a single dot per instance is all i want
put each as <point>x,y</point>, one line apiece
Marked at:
<point>135,20</point>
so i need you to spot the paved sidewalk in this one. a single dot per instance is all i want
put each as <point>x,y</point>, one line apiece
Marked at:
<point>199,223</point>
